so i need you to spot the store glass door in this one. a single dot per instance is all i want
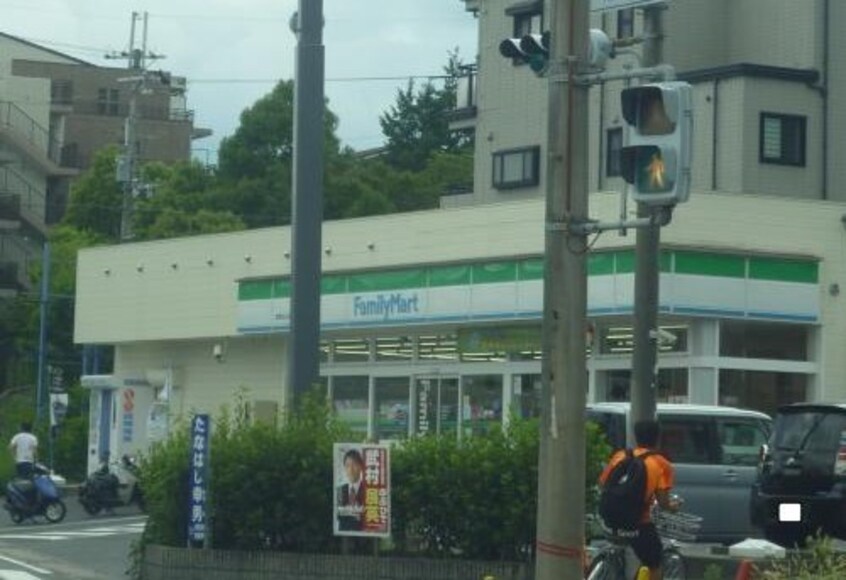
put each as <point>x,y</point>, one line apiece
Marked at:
<point>436,405</point>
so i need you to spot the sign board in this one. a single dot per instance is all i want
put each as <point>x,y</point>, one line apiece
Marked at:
<point>603,5</point>
<point>58,408</point>
<point>362,484</point>
<point>198,483</point>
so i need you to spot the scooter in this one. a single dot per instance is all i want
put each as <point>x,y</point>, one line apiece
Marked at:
<point>26,499</point>
<point>103,489</point>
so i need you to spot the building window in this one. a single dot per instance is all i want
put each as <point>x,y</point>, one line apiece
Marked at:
<point>625,23</point>
<point>108,101</point>
<point>613,148</point>
<point>783,139</point>
<point>516,168</point>
<point>61,92</point>
<point>528,17</point>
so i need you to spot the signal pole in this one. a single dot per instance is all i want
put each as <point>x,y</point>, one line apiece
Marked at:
<point>647,268</point>
<point>561,461</point>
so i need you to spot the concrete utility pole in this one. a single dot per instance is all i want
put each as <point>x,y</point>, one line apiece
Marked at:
<point>128,162</point>
<point>44,302</point>
<point>561,463</point>
<point>307,199</point>
<point>647,270</point>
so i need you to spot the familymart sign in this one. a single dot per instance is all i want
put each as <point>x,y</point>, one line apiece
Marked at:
<point>693,283</point>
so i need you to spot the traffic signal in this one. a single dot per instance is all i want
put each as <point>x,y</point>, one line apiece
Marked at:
<point>657,159</point>
<point>531,48</point>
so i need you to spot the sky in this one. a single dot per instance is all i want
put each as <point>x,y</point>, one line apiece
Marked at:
<point>233,51</point>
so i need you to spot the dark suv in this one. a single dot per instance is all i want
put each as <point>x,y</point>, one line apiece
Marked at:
<point>801,484</point>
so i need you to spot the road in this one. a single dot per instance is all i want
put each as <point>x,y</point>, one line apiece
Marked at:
<point>81,547</point>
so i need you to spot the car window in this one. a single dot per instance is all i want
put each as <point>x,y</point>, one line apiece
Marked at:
<point>811,430</point>
<point>740,440</point>
<point>612,425</point>
<point>687,439</point>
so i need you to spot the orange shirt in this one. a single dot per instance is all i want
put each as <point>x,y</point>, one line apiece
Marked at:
<point>659,476</point>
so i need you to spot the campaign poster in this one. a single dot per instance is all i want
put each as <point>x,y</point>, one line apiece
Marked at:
<point>198,480</point>
<point>362,487</point>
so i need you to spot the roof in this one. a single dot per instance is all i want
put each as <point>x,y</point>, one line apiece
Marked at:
<point>45,49</point>
<point>684,409</point>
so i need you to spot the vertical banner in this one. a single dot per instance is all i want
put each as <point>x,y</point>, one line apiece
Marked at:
<point>362,482</point>
<point>198,483</point>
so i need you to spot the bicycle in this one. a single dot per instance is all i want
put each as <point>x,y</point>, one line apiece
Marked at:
<point>673,528</point>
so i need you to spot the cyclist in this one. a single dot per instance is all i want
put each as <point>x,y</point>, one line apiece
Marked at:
<point>660,478</point>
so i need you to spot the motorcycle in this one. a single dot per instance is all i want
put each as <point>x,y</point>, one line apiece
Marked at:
<point>103,489</point>
<point>39,496</point>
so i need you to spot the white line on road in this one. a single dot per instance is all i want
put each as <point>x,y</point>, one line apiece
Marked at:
<point>16,575</point>
<point>24,565</point>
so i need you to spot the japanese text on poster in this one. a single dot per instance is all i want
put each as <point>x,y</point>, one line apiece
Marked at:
<point>362,490</point>
<point>198,479</point>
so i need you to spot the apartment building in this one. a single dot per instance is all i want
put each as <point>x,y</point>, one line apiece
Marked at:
<point>56,112</point>
<point>769,81</point>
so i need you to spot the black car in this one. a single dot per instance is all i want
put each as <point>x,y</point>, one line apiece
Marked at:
<point>801,484</point>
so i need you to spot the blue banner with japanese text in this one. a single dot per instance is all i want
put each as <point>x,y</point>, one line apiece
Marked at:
<point>198,480</point>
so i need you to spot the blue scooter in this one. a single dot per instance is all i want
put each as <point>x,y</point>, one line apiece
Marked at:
<point>26,499</point>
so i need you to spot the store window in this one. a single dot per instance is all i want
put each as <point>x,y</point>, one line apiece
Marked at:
<point>782,140</point>
<point>350,401</point>
<point>671,386</point>
<point>481,404</point>
<point>526,397</point>
<point>619,339</point>
<point>393,399</point>
<point>741,339</point>
<point>436,347</point>
<point>394,349</point>
<point>351,350</point>
<point>762,390</point>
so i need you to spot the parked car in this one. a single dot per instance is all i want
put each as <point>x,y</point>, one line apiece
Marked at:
<point>802,474</point>
<point>715,452</point>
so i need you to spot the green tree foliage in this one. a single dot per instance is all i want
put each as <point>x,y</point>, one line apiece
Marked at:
<point>417,125</point>
<point>272,487</point>
<point>96,198</point>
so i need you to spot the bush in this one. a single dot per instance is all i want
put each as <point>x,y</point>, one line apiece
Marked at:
<point>819,562</point>
<point>272,488</point>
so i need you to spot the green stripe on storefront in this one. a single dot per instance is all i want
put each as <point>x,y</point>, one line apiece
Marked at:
<point>784,270</point>
<point>503,271</point>
<point>701,264</point>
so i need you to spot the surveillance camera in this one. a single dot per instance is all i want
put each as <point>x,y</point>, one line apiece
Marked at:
<point>663,337</point>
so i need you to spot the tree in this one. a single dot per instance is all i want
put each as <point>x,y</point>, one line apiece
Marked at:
<point>417,125</point>
<point>96,198</point>
<point>255,163</point>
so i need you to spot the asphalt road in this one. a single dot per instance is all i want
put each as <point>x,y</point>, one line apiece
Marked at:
<point>82,547</point>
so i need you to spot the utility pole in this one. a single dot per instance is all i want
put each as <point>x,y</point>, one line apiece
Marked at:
<point>127,170</point>
<point>561,462</point>
<point>44,301</point>
<point>307,214</point>
<point>647,267</point>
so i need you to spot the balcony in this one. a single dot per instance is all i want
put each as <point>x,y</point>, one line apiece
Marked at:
<point>464,114</point>
<point>16,258</point>
<point>21,201</point>
<point>33,140</point>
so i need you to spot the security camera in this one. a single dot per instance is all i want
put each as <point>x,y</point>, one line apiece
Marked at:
<point>663,337</point>
<point>217,352</point>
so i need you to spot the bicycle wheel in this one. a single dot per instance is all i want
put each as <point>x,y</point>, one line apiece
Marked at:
<point>606,566</point>
<point>672,565</point>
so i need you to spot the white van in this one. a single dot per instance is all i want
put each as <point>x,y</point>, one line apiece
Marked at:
<point>715,452</point>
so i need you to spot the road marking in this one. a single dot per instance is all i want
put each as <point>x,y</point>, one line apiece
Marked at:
<point>53,534</point>
<point>16,575</point>
<point>25,565</point>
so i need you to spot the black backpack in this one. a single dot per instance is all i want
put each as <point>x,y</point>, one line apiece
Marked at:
<point>623,496</point>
